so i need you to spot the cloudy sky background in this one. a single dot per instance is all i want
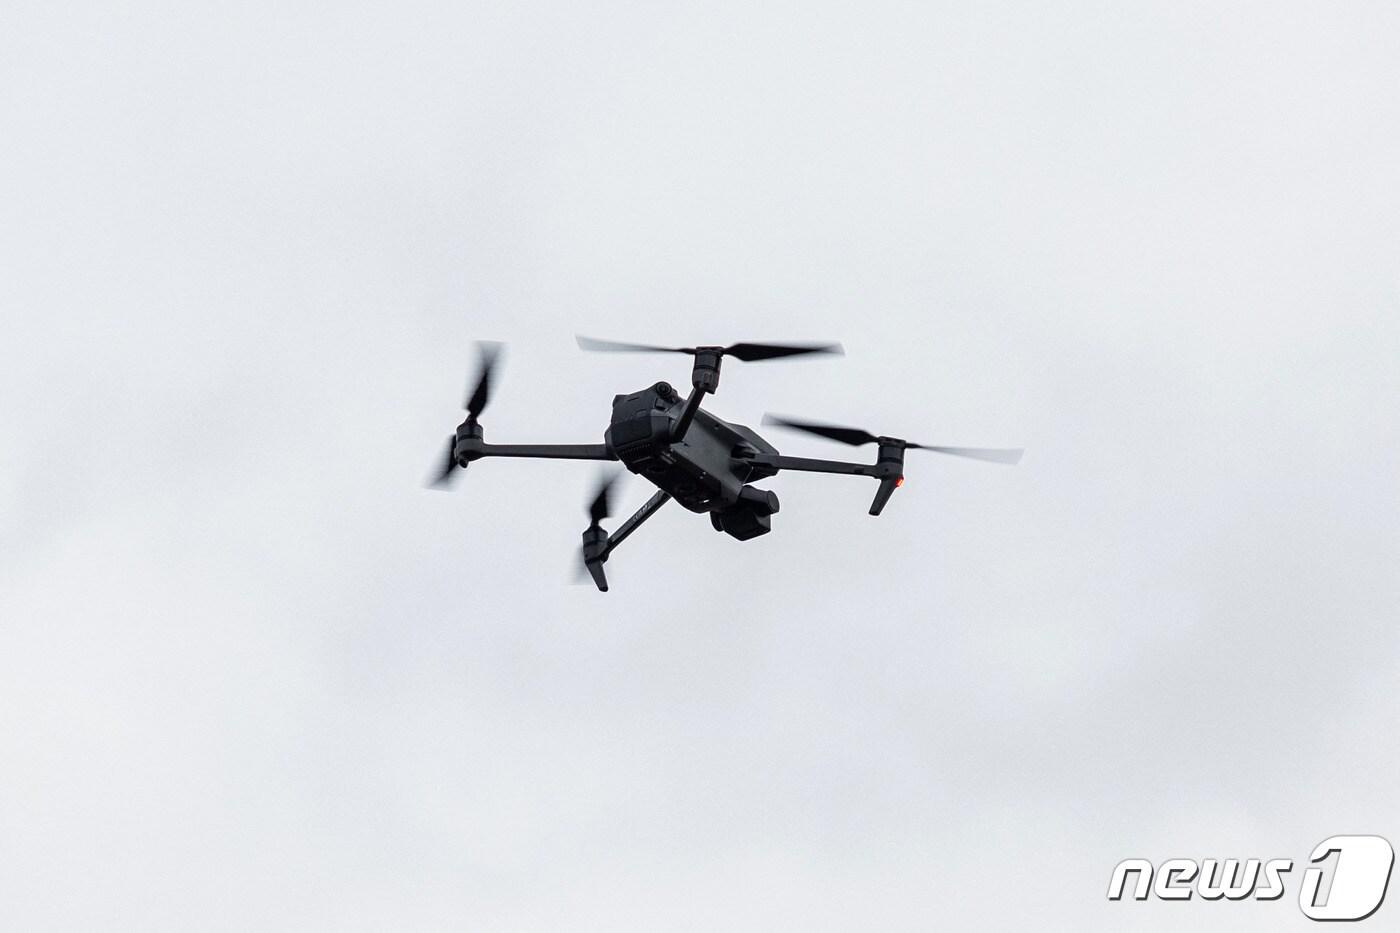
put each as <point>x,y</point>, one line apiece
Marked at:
<point>254,676</point>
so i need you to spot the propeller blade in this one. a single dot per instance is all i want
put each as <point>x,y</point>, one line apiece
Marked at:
<point>746,352</point>
<point>752,352</point>
<point>476,401</point>
<point>599,508</point>
<point>856,437</point>
<point>442,479</point>
<point>853,436</point>
<point>612,346</point>
<point>580,572</point>
<point>1011,456</point>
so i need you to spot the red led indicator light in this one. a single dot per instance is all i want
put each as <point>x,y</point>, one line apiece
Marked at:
<point>899,482</point>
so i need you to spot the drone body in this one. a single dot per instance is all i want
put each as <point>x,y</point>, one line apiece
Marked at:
<point>707,468</point>
<point>704,463</point>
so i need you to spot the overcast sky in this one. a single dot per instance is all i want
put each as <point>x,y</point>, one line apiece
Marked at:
<point>254,676</point>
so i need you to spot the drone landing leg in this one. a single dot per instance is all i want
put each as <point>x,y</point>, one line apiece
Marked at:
<point>599,546</point>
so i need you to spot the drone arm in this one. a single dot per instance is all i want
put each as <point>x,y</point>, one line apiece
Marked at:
<point>626,528</point>
<point>704,379</point>
<point>889,470</point>
<point>545,451</point>
<point>810,465</point>
<point>598,544</point>
<point>692,405</point>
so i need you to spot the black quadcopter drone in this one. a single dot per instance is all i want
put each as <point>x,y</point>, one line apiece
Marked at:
<point>704,463</point>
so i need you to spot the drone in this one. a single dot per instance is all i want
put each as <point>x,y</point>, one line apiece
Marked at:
<point>704,463</point>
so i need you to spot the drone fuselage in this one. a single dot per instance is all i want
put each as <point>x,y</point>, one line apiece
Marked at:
<point>709,469</point>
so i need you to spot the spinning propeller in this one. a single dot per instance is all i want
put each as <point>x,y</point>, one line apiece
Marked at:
<point>748,352</point>
<point>857,437</point>
<point>600,508</point>
<point>475,404</point>
<point>595,539</point>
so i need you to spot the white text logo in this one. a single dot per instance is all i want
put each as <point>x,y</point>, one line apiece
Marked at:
<point>1348,881</point>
